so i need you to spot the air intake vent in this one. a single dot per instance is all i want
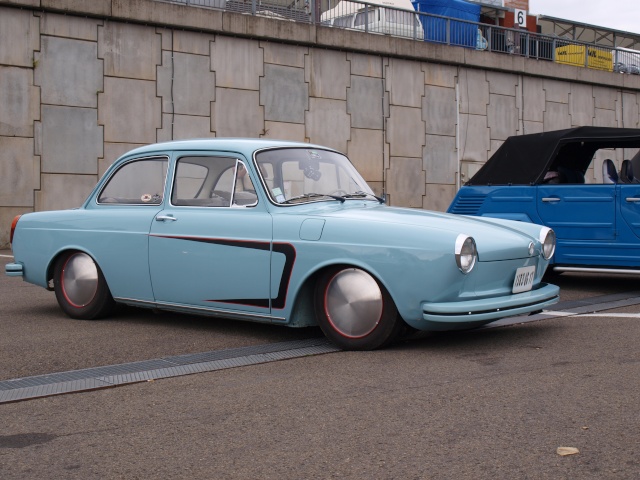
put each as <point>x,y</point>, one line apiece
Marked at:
<point>467,204</point>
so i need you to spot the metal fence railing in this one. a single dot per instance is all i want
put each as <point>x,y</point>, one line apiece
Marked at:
<point>421,26</point>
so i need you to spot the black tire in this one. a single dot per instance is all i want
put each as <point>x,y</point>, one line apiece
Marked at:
<point>354,310</point>
<point>80,287</point>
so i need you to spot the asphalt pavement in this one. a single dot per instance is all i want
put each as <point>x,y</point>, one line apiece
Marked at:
<point>493,403</point>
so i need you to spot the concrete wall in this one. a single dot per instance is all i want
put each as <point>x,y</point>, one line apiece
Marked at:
<point>83,81</point>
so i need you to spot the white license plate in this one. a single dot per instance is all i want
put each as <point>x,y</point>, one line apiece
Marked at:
<point>524,279</point>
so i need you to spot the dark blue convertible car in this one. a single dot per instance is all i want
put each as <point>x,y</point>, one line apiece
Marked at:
<point>580,182</point>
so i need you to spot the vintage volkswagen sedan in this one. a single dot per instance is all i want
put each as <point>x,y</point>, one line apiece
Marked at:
<point>280,232</point>
<point>581,182</point>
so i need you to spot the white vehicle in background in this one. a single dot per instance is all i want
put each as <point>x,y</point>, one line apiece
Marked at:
<point>626,60</point>
<point>388,17</point>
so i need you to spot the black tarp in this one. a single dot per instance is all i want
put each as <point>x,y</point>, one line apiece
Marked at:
<point>525,159</point>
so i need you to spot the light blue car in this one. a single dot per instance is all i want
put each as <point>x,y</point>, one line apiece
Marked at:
<point>278,232</point>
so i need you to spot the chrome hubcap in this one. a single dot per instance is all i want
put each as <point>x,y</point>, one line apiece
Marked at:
<point>353,303</point>
<point>79,279</point>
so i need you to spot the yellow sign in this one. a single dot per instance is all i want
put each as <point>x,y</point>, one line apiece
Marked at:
<point>574,55</point>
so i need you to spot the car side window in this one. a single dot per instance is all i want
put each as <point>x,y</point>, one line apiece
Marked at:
<point>140,182</point>
<point>212,182</point>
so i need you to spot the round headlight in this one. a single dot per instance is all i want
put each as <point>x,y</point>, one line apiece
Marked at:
<point>466,253</point>
<point>548,241</point>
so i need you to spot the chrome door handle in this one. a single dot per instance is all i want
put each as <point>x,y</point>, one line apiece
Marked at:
<point>632,199</point>
<point>161,218</point>
<point>550,199</point>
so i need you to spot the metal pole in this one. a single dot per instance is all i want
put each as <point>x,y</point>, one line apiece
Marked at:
<point>448,32</point>
<point>366,17</point>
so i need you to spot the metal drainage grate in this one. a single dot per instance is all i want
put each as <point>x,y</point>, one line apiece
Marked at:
<point>110,376</point>
<point>113,375</point>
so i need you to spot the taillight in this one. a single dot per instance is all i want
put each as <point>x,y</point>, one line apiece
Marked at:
<point>13,227</point>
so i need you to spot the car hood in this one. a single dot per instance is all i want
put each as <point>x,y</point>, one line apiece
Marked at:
<point>495,239</point>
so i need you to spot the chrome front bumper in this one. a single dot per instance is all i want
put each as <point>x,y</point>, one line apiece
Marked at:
<point>473,313</point>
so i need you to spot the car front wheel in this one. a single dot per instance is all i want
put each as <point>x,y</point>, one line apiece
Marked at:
<point>354,310</point>
<point>80,287</point>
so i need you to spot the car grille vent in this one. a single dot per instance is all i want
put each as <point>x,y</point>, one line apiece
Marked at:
<point>468,204</point>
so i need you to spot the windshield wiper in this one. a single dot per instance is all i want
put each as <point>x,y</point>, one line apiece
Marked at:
<point>314,195</point>
<point>361,194</point>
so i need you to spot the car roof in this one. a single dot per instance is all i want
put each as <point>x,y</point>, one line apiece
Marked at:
<point>524,159</point>
<point>243,145</point>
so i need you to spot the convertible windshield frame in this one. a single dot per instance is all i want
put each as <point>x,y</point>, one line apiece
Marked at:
<point>309,175</point>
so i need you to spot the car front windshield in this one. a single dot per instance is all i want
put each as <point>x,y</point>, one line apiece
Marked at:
<point>301,175</point>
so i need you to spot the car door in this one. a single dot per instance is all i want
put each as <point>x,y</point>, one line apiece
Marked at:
<point>120,220</point>
<point>578,211</point>
<point>583,217</point>
<point>210,247</point>
<point>629,198</point>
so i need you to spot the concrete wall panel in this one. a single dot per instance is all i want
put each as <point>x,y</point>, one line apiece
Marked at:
<point>366,65</point>
<point>502,83</point>
<point>328,123</point>
<point>440,75</point>
<point>72,140</point>
<point>474,91</point>
<point>129,110</point>
<point>329,74</point>
<point>533,127</point>
<point>365,102</point>
<point>604,98</point>
<point>556,91</point>
<point>197,43</point>
<point>405,83</point>
<point>474,138</point>
<point>284,94</point>
<point>405,132</point>
<point>67,26</point>
<point>439,110</point>
<point>630,111</point>
<point>440,159</point>
<point>64,191</point>
<point>19,37</point>
<point>237,113</point>
<point>19,102</point>
<point>365,150</point>
<point>238,62</point>
<point>581,105</point>
<point>186,84</point>
<point>129,51</point>
<point>556,116</point>
<point>533,101</point>
<point>406,182</point>
<point>502,115</point>
<point>19,172</point>
<point>287,55</point>
<point>175,127</point>
<point>604,118</point>
<point>285,131</point>
<point>68,72</point>
<point>438,197</point>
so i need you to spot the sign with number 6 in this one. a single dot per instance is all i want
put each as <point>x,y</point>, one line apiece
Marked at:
<point>520,19</point>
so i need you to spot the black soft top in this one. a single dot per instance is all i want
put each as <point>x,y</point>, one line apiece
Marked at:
<point>525,159</point>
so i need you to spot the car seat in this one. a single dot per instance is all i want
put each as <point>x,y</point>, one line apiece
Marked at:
<point>609,173</point>
<point>626,173</point>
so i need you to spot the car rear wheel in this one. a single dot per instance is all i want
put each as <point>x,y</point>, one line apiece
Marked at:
<point>354,310</point>
<point>80,287</point>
